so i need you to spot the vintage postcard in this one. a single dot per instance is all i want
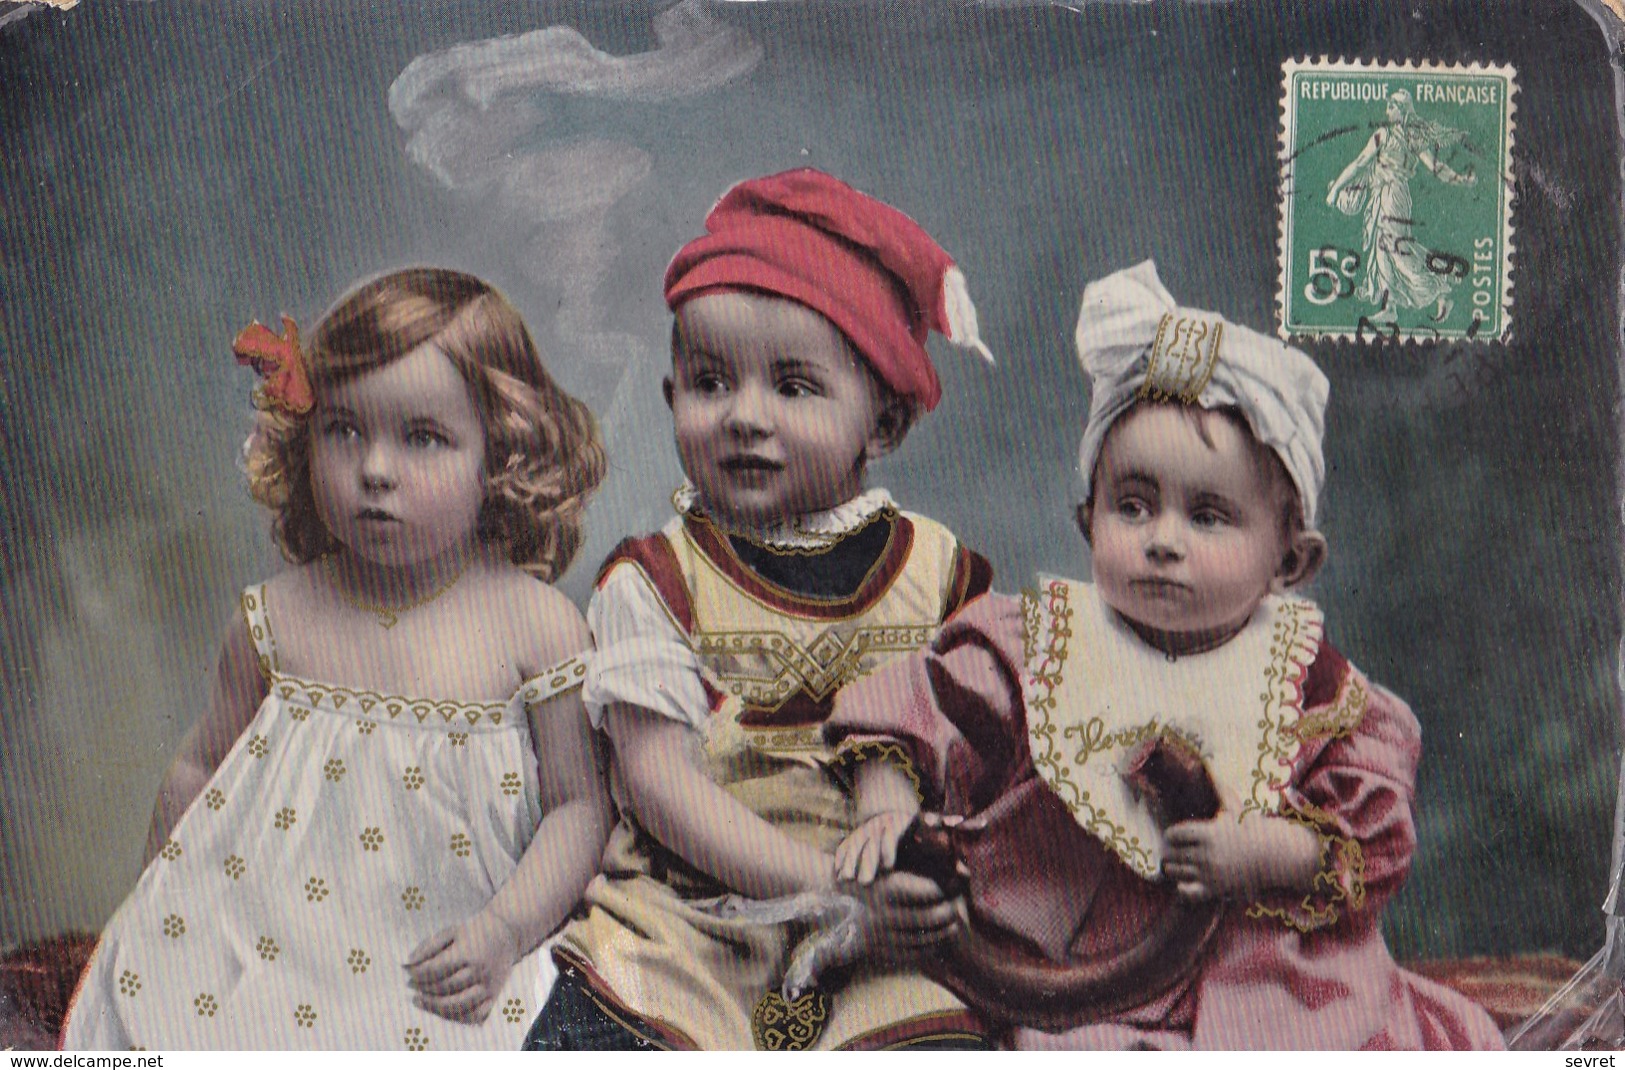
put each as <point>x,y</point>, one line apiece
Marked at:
<point>695,524</point>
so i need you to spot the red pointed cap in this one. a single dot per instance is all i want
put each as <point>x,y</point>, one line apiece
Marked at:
<point>863,265</point>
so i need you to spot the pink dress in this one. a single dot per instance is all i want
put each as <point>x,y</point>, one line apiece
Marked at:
<point>1284,972</point>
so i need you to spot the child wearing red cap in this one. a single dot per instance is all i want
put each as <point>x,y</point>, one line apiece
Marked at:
<point>798,356</point>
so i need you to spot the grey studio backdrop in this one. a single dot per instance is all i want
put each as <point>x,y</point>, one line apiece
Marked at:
<point>171,170</point>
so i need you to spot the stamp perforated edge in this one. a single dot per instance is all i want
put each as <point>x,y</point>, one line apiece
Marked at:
<point>1284,157</point>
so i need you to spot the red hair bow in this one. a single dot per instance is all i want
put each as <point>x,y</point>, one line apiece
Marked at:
<point>280,363</point>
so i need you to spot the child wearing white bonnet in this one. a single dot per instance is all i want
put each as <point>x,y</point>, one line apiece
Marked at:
<point>1184,808</point>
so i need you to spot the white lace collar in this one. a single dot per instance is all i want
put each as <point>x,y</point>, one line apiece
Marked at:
<point>809,531</point>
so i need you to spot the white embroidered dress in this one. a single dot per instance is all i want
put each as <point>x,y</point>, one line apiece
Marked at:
<point>343,828</point>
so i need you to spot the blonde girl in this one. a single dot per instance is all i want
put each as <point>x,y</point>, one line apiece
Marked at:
<point>392,798</point>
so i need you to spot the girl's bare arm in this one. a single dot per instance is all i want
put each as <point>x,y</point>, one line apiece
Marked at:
<point>458,972</point>
<point>565,852</point>
<point>239,688</point>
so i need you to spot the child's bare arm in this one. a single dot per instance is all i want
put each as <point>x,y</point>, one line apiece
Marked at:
<point>886,805</point>
<point>881,787</point>
<point>673,798</point>
<point>239,688</point>
<point>576,819</point>
<point>684,809</point>
<point>459,972</point>
<point>1226,858</point>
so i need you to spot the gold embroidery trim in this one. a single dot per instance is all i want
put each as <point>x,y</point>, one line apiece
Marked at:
<point>851,753</point>
<point>781,740</point>
<point>1340,718</point>
<point>1179,368</point>
<point>1047,617</point>
<point>1295,642</point>
<point>1031,624</point>
<point>259,631</point>
<point>1092,737</point>
<point>550,683</point>
<point>820,668</point>
<point>377,706</point>
<point>1340,880</point>
<point>777,1025</point>
<point>820,543</point>
<point>1044,676</point>
<point>784,593</point>
<point>305,695</point>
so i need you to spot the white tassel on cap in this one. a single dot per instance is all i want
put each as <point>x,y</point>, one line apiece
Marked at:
<point>960,314</point>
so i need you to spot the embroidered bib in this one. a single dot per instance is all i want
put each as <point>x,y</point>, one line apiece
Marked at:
<point>1095,691</point>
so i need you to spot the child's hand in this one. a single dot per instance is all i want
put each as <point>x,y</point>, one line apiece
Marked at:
<point>1226,858</point>
<point>871,848</point>
<point>458,972</point>
<point>904,914</point>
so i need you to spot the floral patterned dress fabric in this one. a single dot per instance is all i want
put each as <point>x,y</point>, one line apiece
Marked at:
<point>343,828</point>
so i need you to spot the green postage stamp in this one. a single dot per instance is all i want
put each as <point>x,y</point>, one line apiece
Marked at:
<point>1396,201</point>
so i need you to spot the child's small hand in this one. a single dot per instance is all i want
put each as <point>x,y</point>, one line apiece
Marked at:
<point>1226,858</point>
<point>458,972</point>
<point>871,848</point>
<point>904,914</point>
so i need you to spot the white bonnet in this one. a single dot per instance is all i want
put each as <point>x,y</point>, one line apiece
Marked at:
<point>1135,342</point>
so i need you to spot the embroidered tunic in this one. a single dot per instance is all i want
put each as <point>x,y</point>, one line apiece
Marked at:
<point>683,621</point>
<point>342,829</point>
<point>1022,712</point>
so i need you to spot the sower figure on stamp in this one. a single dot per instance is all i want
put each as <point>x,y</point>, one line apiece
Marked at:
<point>1377,185</point>
<point>1180,810</point>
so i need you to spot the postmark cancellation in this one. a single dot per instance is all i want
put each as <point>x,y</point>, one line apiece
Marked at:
<point>1396,201</point>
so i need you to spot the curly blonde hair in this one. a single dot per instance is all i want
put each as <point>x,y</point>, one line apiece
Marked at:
<point>543,456</point>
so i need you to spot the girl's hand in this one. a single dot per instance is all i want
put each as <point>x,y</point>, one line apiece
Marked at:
<point>871,848</point>
<point>1224,858</point>
<point>458,972</point>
